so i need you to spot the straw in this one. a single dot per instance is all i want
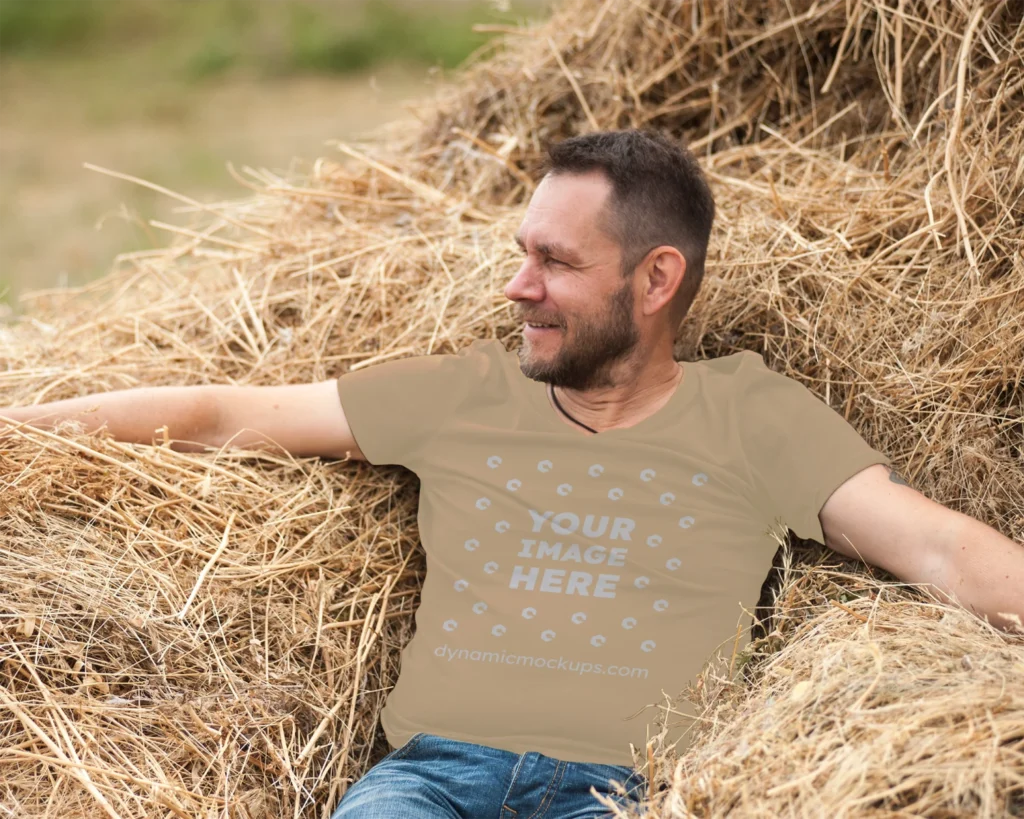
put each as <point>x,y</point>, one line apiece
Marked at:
<point>214,634</point>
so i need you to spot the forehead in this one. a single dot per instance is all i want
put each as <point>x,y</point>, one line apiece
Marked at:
<point>568,209</point>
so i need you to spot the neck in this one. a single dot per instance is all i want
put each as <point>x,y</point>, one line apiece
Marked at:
<point>621,405</point>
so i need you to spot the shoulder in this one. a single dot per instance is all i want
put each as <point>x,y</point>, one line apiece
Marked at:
<point>746,370</point>
<point>481,357</point>
<point>737,372</point>
<point>745,386</point>
<point>477,368</point>
<point>740,362</point>
<point>482,349</point>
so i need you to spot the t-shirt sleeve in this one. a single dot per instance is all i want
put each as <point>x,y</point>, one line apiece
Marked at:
<point>799,450</point>
<point>395,408</point>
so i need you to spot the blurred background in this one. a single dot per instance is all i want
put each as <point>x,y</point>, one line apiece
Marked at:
<point>170,90</point>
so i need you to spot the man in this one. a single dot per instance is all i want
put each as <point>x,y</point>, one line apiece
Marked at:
<point>596,515</point>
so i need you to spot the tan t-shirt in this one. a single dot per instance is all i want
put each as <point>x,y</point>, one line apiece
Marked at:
<point>572,578</point>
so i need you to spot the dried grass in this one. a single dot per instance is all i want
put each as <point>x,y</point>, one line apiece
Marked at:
<point>212,635</point>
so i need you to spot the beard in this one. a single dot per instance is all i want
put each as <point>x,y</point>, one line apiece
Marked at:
<point>588,350</point>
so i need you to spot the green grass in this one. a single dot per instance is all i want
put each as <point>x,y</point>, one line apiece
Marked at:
<point>385,33</point>
<point>91,73</point>
<point>194,40</point>
<point>28,27</point>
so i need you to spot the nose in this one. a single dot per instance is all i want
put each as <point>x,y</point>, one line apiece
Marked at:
<point>525,285</point>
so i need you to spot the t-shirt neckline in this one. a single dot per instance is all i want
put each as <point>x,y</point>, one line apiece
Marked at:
<point>547,414</point>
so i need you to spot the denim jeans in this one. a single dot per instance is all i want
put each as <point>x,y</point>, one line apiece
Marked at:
<point>432,777</point>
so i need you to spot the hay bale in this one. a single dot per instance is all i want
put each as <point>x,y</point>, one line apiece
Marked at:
<point>211,635</point>
<point>865,700</point>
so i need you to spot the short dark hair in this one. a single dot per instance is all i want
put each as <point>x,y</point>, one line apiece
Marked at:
<point>659,197</point>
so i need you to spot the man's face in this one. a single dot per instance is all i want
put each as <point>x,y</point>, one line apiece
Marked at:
<point>570,277</point>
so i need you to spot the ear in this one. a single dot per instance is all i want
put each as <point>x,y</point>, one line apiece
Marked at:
<point>664,269</point>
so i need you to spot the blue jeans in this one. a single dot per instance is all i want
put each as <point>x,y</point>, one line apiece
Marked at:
<point>432,777</point>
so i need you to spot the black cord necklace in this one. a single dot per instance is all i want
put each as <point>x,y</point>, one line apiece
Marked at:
<point>554,398</point>
<point>567,415</point>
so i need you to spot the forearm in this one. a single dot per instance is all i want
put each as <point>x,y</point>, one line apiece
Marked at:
<point>133,415</point>
<point>985,571</point>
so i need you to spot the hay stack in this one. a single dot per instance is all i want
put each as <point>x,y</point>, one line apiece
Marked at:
<point>211,635</point>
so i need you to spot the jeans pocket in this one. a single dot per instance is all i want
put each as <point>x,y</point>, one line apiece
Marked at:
<point>633,782</point>
<point>402,750</point>
<point>636,786</point>
<point>627,777</point>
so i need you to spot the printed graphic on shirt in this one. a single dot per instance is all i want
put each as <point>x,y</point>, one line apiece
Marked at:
<point>602,571</point>
<point>573,558</point>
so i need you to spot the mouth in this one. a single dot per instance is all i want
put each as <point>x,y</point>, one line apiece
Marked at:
<point>531,329</point>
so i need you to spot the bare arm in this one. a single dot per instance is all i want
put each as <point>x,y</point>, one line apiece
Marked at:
<point>878,517</point>
<point>985,570</point>
<point>190,414</point>
<point>302,419</point>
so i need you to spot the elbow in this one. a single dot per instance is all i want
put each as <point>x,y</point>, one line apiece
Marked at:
<point>224,416</point>
<point>204,423</point>
<point>943,568</point>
